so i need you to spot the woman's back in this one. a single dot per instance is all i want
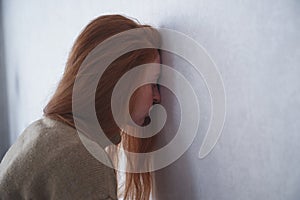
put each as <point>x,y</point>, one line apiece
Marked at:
<point>48,161</point>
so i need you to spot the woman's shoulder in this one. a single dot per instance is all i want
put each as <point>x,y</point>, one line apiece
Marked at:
<point>41,138</point>
<point>50,153</point>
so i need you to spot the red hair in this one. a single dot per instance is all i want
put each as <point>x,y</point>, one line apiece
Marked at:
<point>137,185</point>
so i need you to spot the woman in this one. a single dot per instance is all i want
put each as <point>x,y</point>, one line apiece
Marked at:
<point>49,161</point>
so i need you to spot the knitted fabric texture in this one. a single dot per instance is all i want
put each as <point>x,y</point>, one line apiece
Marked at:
<point>49,161</point>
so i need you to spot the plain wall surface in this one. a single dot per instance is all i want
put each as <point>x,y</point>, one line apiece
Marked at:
<point>4,126</point>
<point>256,47</point>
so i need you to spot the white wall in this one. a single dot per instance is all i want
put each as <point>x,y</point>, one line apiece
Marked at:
<point>255,45</point>
<point>4,126</point>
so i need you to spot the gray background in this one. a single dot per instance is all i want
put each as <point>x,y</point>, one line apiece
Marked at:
<point>255,45</point>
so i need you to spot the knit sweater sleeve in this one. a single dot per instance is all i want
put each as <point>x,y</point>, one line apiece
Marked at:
<point>48,161</point>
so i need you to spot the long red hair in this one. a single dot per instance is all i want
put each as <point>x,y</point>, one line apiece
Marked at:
<point>137,185</point>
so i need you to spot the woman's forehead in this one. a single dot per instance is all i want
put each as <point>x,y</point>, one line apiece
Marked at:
<point>156,68</point>
<point>152,71</point>
<point>157,59</point>
<point>148,72</point>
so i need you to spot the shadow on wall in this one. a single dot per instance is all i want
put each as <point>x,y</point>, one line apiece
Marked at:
<point>4,125</point>
<point>179,173</point>
<point>172,181</point>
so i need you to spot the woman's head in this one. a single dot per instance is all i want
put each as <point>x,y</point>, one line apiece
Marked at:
<point>60,105</point>
<point>96,32</point>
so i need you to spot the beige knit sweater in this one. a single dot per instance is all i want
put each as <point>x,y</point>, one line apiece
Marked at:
<point>48,161</point>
